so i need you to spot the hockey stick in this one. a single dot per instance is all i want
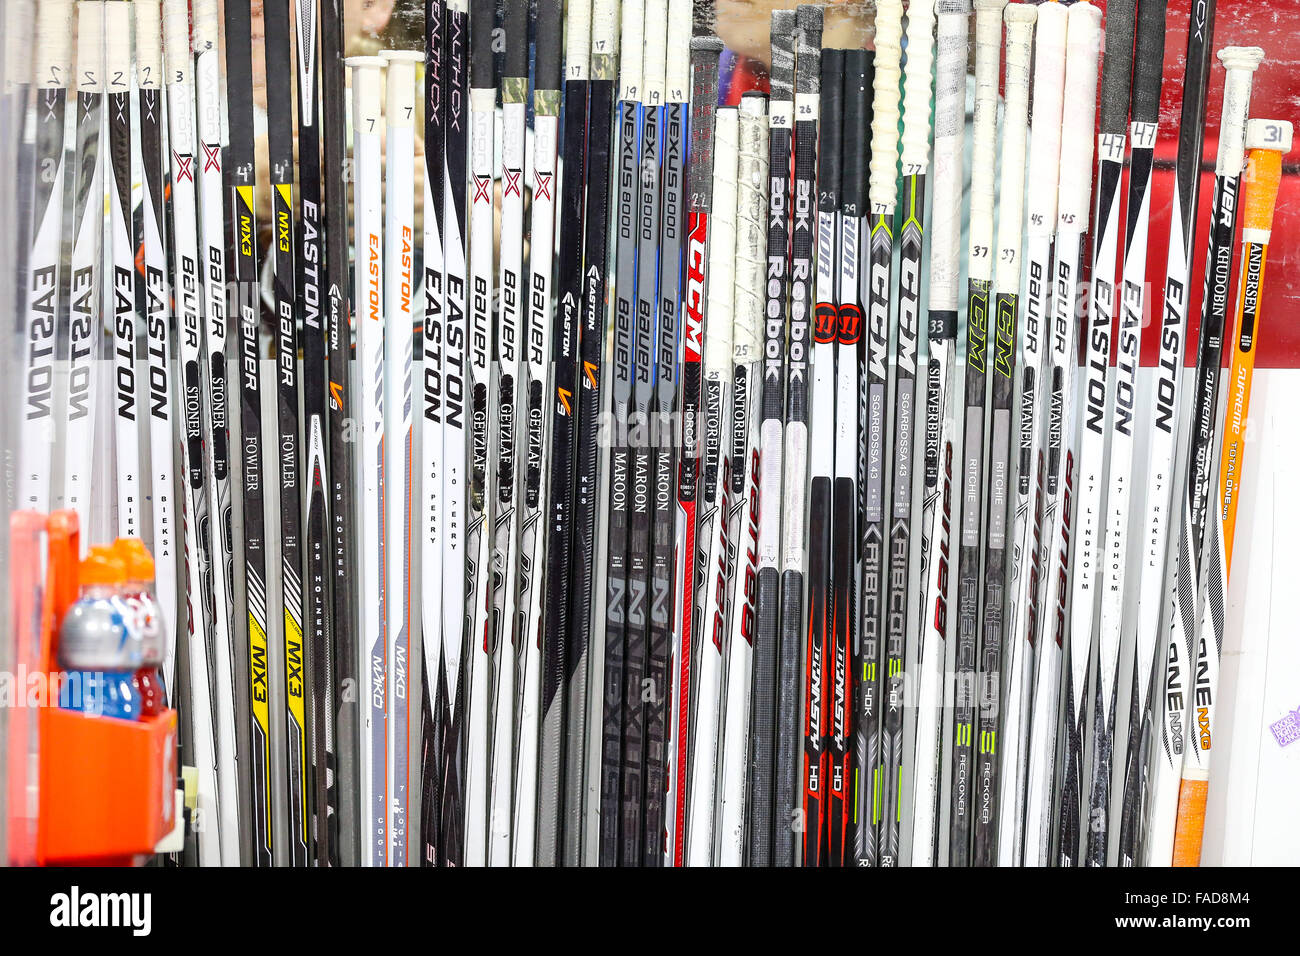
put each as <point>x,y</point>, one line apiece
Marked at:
<point>915,156</point>
<point>341,747</point>
<point>641,438</point>
<point>22,68</point>
<point>767,604</point>
<point>84,292</point>
<point>20,61</point>
<point>705,51</point>
<point>27,61</point>
<point>481,490</point>
<point>557,679</point>
<point>312,295</point>
<point>896,561</point>
<point>988,34</point>
<point>121,240</point>
<point>1025,653</point>
<point>850,223</point>
<point>873,509</point>
<point>742,518</point>
<point>952,17</point>
<point>532,408</point>
<point>279,110</point>
<point>787,820</point>
<point>634,289</point>
<point>32,49</point>
<point>372,663</point>
<point>620,823</point>
<point>399,464</point>
<point>503,399</point>
<point>437,407</point>
<point>53,73</point>
<point>455,490</point>
<point>243,173</point>
<point>719,319</point>
<point>672,223</point>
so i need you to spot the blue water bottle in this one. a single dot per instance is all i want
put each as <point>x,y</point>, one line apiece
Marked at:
<point>99,649</point>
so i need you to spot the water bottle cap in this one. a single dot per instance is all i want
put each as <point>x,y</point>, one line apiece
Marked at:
<point>136,557</point>
<point>102,566</point>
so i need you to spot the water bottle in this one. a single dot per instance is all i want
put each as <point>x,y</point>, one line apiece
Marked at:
<point>99,648</point>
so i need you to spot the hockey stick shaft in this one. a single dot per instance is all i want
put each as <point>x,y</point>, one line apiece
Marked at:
<point>894,598</point>
<point>372,665</point>
<point>641,438</point>
<point>399,544</point>
<point>504,401</point>
<point>280,150</point>
<point>850,225</point>
<point>436,406</point>
<point>482,473</point>
<point>767,611</point>
<point>620,830</point>
<point>672,223</point>
<point>605,47</point>
<point>705,50</point>
<point>220,533</point>
<point>313,294</point>
<point>340,759</point>
<point>952,18</point>
<point>247,302</point>
<point>555,683</point>
<point>1083,41</point>
<point>121,280</point>
<point>787,820</point>
<point>743,491</point>
<point>53,72</point>
<point>541,312</point>
<point>988,30</point>
<point>85,277</point>
<point>1149,51</point>
<point>455,631</point>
